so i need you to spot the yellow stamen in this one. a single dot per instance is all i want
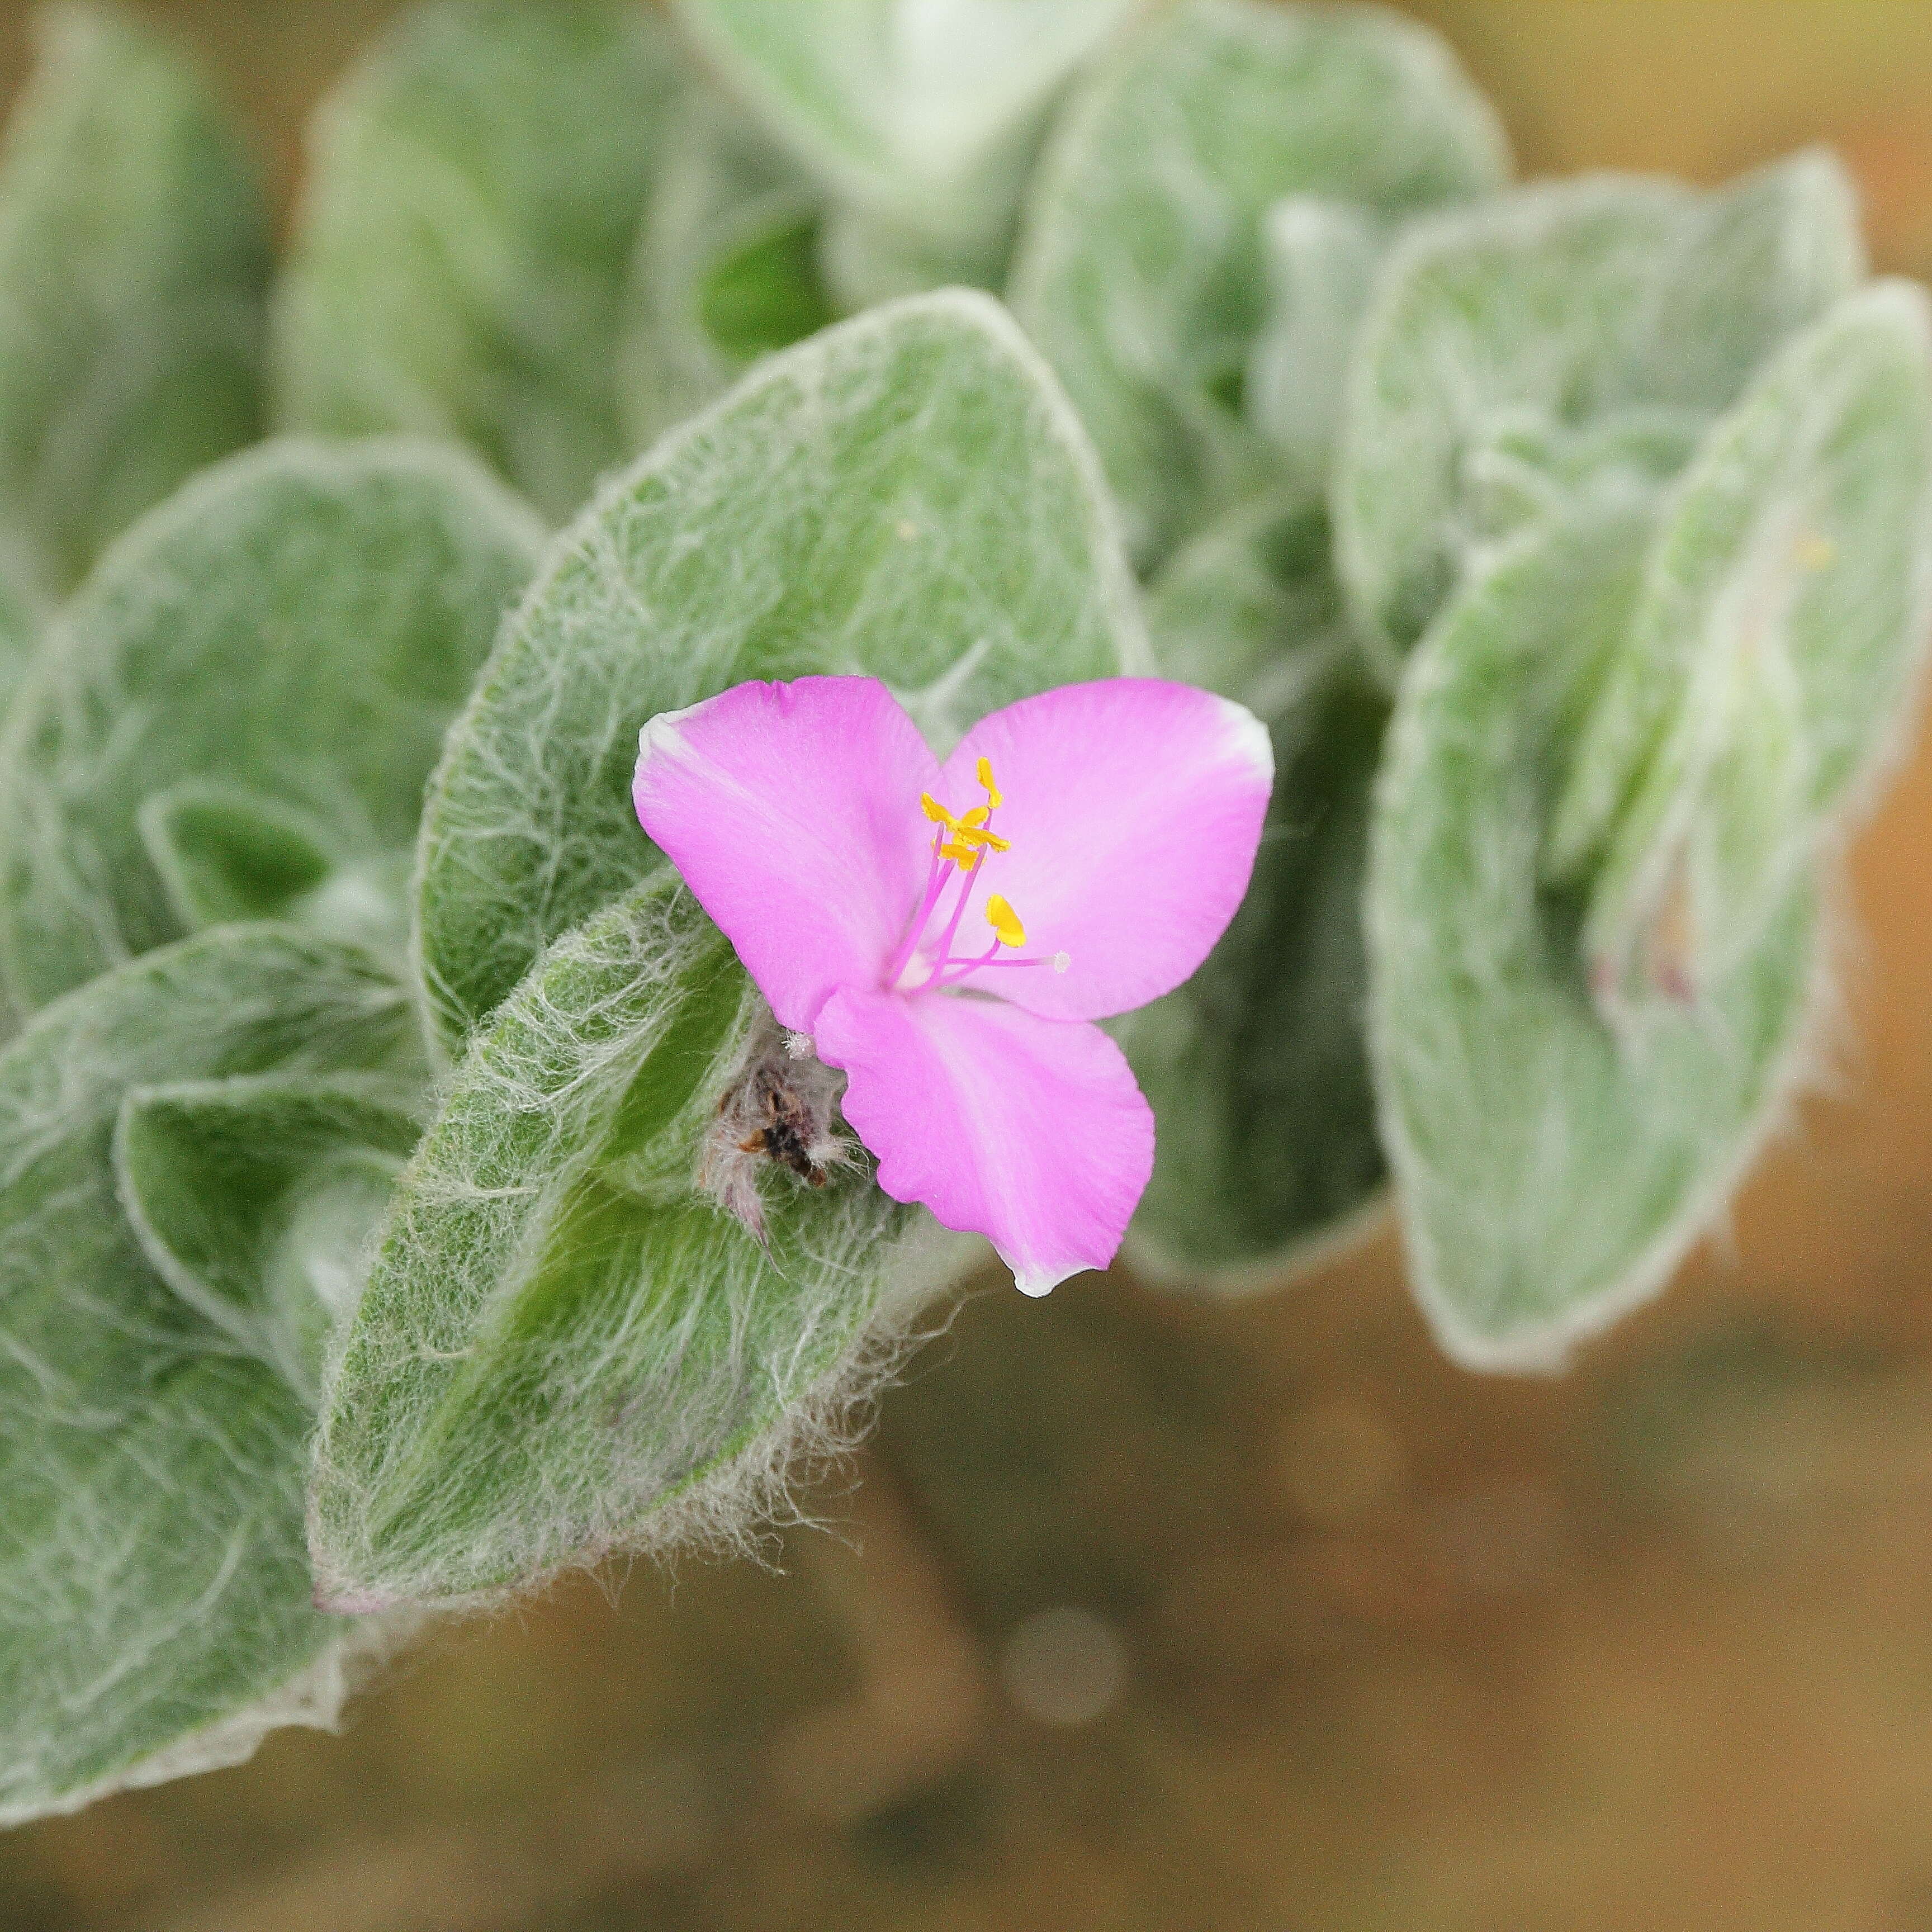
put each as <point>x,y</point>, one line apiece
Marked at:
<point>969,831</point>
<point>963,856</point>
<point>1005,922</point>
<point>985,770</point>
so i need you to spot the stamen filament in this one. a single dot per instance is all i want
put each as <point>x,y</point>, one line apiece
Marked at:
<point>968,879</point>
<point>935,884</point>
<point>1059,961</point>
<point>987,959</point>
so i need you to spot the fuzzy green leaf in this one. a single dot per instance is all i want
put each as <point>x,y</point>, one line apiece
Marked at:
<point>133,269</point>
<point>1256,1068</point>
<point>252,1199</point>
<point>727,269</point>
<point>22,618</point>
<point>223,853</point>
<point>154,1592</point>
<point>1321,261</point>
<point>1140,270</point>
<point>1552,1171</point>
<point>1510,336</point>
<point>565,1347</point>
<point>286,639</point>
<point>1773,658</point>
<point>918,117</point>
<point>474,190</point>
<point>907,495</point>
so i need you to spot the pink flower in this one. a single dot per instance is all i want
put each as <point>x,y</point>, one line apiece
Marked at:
<point>946,934</point>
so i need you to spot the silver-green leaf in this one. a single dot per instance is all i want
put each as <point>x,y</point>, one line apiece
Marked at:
<point>727,270</point>
<point>155,1590</point>
<point>906,495</point>
<point>1140,270</point>
<point>133,274</point>
<point>1321,259</point>
<point>475,190</point>
<point>1563,328</point>
<point>252,1198</point>
<point>256,680</point>
<point>567,1346</point>
<point>919,117</point>
<point>1552,1170</point>
<point>1773,659</point>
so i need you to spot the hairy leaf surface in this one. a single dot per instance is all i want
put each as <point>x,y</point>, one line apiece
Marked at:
<point>1515,349</point>
<point>1140,270</point>
<point>252,1198</point>
<point>906,495</point>
<point>255,681</point>
<point>566,1347</point>
<point>474,190</point>
<point>1553,1170</point>
<point>1774,656</point>
<point>154,1592</point>
<point>134,271</point>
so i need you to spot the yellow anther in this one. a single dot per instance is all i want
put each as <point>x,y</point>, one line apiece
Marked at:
<point>966,835</point>
<point>1005,922</point>
<point>985,769</point>
<point>963,856</point>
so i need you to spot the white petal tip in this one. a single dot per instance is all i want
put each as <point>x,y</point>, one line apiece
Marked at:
<point>1250,739</point>
<point>1036,1281</point>
<point>661,733</point>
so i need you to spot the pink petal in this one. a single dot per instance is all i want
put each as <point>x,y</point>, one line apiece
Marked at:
<point>1135,809</point>
<point>792,810</point>
<point>1031,1132</point>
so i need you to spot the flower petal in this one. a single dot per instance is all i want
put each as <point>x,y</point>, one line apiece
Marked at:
<point>1031,1132</point>
<point>1134,807</point>
<point>792,810</point>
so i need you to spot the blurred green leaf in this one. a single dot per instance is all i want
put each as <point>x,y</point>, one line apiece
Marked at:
<point>1774,657</point>
<point>133,269</point>
<point>286,639</point>
<point>907,495</point>
<point>1610,307</point>
<point>21,616</point>
<point>1140,270</point>
<point>565,1349</point>
<point>1552,1171</point>
<point>727,269</point>
<point>252,1198</point>
<point>154,1593</point>
<point>474,190</point>
<point>1322,257</point>
<point>223,853</point>
<point>919,116</point>
<point>1257,1068</point>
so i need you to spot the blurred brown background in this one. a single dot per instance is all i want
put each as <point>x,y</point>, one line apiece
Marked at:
<point>1258,1618</point>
